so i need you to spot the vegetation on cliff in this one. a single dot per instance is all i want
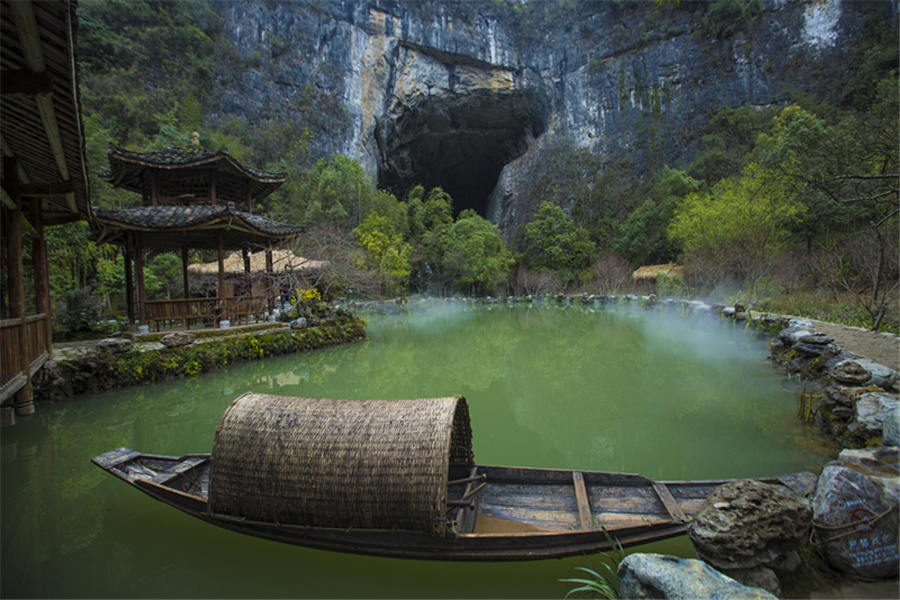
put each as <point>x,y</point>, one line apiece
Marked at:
<point>815,182</point>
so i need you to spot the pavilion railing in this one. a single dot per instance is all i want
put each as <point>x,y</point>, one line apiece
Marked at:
<point>24,347</point>
<point>246,307</point>
<point>188,311</point>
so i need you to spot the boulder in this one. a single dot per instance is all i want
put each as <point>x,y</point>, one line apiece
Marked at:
<point>115,345</point>
<point>871,412</point>
<point>882,376</point>
<point>855,512</point>
<point>663,576</point>
<point>178,339</point>
<point>850,372</point>
<point>801,322</point>
<point>760,577</point>
<point>792,335</point>
<point>299,323</point>
<point>747,523</point>
<point>816,339</point>
<point>890,435</point>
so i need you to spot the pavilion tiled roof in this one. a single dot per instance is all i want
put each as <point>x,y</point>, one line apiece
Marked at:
<point>196,218</point>
<point>125,166</point>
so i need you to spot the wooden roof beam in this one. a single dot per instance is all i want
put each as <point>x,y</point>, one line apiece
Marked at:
<point>25,82</point>
<point>7,152</point>
<point>33,54</point>
<point>7,200</point>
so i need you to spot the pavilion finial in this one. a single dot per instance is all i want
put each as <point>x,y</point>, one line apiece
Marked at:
<point>195,138</point>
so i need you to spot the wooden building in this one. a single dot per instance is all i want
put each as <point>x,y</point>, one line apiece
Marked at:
<point>44,175</point>
<point>191,199</point>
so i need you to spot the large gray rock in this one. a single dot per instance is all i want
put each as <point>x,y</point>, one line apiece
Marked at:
<point>864,372</point>
<point>890,435</point>
<point>115,345</point>
<point>856,512</point>
<point>178,339</point>
<point>746,523</point>
<point>792,335</point>
<point>299,323</point>
<point>871,412</point>
<point>663,576</point>
<point>882,376</point>
<point>850,372</point>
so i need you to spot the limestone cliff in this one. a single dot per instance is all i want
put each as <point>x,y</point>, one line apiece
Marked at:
<point>465,95</point>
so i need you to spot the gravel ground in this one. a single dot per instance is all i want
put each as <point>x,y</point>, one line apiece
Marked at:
<point>883,348</point>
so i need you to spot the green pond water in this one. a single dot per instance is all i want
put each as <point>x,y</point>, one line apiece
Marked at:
<point>604,389</point>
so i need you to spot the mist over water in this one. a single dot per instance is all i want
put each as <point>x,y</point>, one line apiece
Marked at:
<point>595,389</point>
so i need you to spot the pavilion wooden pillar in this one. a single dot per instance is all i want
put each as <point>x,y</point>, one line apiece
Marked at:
<point>41,273</point>
<point>270,281</point>
<point>16,282</point>
<point>139,276</point>
<point>129,276</point>
<point>220,248</point>
<point>184,272</point>
<point>248,281</point>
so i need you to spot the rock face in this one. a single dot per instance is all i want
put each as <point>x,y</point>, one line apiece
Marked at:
<point>662,576</point>
<point>745,524</point>
<point>856,512</point>
<point>472,95</point>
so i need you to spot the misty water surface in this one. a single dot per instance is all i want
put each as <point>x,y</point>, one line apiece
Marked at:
<point>605,389</point>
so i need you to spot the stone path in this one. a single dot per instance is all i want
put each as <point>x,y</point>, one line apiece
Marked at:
<point>883,348</point>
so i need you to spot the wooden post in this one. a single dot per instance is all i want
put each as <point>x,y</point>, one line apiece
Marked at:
<point>212,186</point>
<point>184,272</point>
<point>154,188</point>
<point>16,282</point>
<point>270,280</point>
<point>220,247</point>
<point>41,273</point>
<point>139,275</point>
<point>129,276</point>
<point>248,280</point>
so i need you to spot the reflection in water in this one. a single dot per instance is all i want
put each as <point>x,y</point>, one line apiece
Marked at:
<point>547,387</point>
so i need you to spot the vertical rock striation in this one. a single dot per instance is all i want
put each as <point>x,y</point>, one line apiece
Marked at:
<point>467,96</point>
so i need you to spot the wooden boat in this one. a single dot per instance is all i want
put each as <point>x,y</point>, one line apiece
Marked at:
<point>397,478</point>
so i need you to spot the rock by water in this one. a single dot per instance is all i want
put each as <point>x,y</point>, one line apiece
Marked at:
<point>663,576</point>
<point>856,512</point>
<point>745,524</point>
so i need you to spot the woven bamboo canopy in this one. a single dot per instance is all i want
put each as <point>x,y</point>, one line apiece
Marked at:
<point>283,261</point>
<point>367,464</point>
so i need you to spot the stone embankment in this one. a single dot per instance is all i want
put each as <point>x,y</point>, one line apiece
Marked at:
<point>137,359</point>
<point>747,534</point>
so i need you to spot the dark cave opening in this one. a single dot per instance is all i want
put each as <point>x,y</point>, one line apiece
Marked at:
<point>460,144</point>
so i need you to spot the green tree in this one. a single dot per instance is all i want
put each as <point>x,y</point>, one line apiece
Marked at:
<point>554,243</point>
<point>644,238</point>
<point>848,175</point>
<point>736,231</point>
<point>476,254</point>
<point>166,268</point>
<point>334,190</point>
<point>385,254</point>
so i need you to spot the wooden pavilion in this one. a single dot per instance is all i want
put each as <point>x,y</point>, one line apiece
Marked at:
<point>191,199</point>
<point>44,176</point>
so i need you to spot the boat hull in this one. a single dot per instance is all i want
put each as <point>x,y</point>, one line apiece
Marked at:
<point>551,517</point>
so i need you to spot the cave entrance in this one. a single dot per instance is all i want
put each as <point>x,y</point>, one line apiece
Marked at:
<point>460,144</point>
